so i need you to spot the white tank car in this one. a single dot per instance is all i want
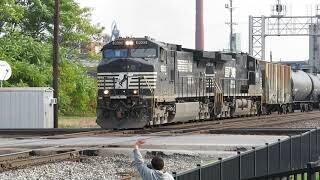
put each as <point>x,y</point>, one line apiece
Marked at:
<point>316,86</point>
<point>306,86</point>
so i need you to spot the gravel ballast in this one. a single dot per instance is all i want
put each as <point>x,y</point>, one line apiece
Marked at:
<point>300,124</point>
<point>113,167</point>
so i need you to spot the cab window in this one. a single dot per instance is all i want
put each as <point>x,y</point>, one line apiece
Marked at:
<point>115,53</point>
<point>144,53</point>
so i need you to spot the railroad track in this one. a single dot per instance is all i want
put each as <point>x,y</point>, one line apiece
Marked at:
<point>262,131</point>
<point>208,126</point>
<point>31,158</point>
<point>204,127</point>
<point>239,123</point>
<point>45,131</point>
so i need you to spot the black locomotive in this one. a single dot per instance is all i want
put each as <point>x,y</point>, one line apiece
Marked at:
<point>145,82</point>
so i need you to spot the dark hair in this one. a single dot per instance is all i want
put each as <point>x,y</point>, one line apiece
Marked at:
<point>157,163</point>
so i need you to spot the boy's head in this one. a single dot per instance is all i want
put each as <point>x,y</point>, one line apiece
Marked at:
<point>157,163</point>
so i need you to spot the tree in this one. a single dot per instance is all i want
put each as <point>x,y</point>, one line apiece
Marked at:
<point>30,60</point>
<point>26,43</point>
<point>10,12</point>
<point>78,92</point>
<point>75,23</point>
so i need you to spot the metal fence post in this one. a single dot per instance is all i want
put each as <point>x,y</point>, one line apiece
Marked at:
<point>199,169</point>
<point>254,161</point>
<point>317,149</point>
<point>174,174</point>
<point>290,153</point>
<point>279,142</point>
<point>239,155</point>
<point>301,165</point>
<point>267,146</point>
<point>221,176</point>
<point>310,147</point>
<point>311,172</point>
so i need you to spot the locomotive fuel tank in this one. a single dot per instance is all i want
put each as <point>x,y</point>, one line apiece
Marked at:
<point>302,85</point>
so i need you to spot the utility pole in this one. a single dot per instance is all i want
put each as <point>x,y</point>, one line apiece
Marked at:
<point>231,26</point>
<point>230,7</point>
<point>55,62</point>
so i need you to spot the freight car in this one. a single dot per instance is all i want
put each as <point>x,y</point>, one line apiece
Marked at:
<point>306,90</point>
<point>145,82</point>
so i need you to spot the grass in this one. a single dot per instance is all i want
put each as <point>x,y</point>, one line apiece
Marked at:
<point>77,122</point>
<point>305,177</point>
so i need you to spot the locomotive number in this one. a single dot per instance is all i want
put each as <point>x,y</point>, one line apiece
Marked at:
<point>141,42</point>
<point>118,43</point>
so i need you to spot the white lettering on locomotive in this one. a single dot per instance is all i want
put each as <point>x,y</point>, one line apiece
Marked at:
<point>184,66</point>
<point>118,43</point>
<point>141,42</point>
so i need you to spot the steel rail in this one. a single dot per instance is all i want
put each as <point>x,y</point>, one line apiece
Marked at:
<point>31,158</point>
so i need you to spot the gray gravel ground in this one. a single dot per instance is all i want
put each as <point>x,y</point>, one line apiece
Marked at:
<point>111,168</point>
<point>300,124</point>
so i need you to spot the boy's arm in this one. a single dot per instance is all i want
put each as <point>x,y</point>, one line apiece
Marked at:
<point>144,171</point>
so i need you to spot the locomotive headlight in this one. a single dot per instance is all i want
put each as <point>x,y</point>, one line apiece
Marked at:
<point>129,43</point>
<point>106,92</point>
<point>135,92</point>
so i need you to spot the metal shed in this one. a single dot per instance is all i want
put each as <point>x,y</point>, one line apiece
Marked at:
<point>26,107</point>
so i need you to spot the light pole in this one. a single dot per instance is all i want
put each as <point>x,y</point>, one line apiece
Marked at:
<point>55,62</point>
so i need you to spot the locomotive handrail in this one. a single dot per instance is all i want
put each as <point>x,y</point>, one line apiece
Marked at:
<point>217,86</point>
<point>147,82</point>
<point>228,78</point>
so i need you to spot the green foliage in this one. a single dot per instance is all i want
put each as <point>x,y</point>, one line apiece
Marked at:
<point>77,90</point>
<point>92,56</point>
<point>10,13</point>
<point>75,25</point>
<point>26,43</point>
<point>30,60</point>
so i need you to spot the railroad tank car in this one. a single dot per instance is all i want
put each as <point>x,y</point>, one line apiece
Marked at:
<point>306,90</point>
<point>302,85</point>
<point>143,82</point>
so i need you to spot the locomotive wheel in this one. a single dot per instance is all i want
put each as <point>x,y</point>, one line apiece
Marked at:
<point>279,109</point>
<point>306,107</point>
<point>290,109</point>
<point>264,110</point>
<point>302,109</point>
<point>284,109</point>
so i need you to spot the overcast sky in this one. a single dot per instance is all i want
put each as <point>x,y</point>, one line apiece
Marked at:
<point>174,21</point>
